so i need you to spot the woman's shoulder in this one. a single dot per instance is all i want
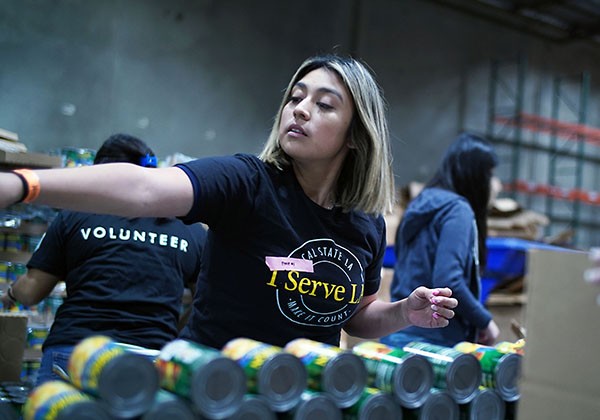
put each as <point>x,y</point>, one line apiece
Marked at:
<point>368,223</point>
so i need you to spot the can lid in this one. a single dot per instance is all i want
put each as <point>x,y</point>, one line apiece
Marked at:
<point>344,377</point>
<point>440,406</point>
<point>173,409</point>
<point>281,381</point>
<point>487,405</point>
<point>254,407</point>
<point>380,406</point>
<point>412,381</point>
<point>218,387</point>
<point>84,410</point>
<point>508,371</point>
<point>317,405</point>
<point>128,384</point>
<point>463,377</point>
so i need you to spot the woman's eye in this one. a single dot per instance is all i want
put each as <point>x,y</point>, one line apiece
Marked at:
<point>324,106</point>
<point>294,99</point>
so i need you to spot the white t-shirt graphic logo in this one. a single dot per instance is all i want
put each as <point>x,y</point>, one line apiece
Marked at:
<point>328,295</point>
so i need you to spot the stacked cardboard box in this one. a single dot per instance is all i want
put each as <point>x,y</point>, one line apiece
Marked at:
<point>13,333</point>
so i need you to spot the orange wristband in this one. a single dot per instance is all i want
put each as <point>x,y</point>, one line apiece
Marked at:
<point>31,183</point>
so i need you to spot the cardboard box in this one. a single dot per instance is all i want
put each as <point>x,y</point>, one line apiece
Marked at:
<point>561,367</point>
<point>507,310</point>
<point>13,336</point>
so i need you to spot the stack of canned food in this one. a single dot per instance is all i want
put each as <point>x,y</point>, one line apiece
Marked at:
<point>75,156</point>
<point>304,380</point>
<point>18,242</point>
<point>13,396</point>
<point>10,271</point>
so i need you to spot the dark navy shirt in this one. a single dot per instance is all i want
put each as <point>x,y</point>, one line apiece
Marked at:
<point>124,277</point>
<point>321,261</point>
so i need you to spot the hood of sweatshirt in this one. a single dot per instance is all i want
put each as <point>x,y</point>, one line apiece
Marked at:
<point>423,208</point>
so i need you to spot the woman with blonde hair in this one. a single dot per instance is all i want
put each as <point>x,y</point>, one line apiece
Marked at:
<point>296,235</point>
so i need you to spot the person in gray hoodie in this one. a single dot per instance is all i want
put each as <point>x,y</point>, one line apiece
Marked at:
<point>441,243</point>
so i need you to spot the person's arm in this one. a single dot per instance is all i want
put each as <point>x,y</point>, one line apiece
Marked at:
<point>454,260</point>
<point>427,308</point>
<point>116,188</point>
<point>32,287</point>
<point>456,243</point>
<point>488,335</point>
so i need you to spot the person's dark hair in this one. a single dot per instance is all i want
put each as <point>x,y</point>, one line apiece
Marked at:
<point>125,148</point>
<point>366,181</point>
<point>466,169</point>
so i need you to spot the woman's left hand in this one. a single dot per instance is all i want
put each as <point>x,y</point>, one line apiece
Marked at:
<point>430,308</point>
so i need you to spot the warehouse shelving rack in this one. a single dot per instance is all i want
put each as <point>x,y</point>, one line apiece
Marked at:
<point>545,158</point>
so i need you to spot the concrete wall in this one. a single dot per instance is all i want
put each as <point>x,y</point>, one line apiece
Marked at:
<point>205,77</point>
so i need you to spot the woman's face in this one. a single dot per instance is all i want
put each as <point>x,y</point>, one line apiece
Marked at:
<point>315,121</point>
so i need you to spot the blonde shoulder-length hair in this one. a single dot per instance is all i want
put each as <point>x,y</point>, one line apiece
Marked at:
<point>366,181</point>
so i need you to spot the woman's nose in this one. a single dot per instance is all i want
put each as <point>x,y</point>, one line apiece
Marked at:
<point>301,110</point>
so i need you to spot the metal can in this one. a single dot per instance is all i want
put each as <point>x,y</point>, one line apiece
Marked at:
<point>487,405</point>
<point>510,347</point>
<point>19,269</point>
<point>374,404</point>
<point>167,405</point>
<point>13,242</point>
<point>59,400</point>
<point>501,371</point>
<point>213,382</point>
<point>407,376</point>
<point>314,405</point>
<point>338,372</point>
<point>439,405</point>
<point>4,267</point>
<point>280,377</point>
<point>36,335</point>
<point>458,373</point>
<point>73,156</point>
<point>126,382</point>
<point>254,407</point>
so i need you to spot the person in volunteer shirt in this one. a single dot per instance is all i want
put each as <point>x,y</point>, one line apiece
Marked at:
<point>124,277</point>
<point>296,235</point>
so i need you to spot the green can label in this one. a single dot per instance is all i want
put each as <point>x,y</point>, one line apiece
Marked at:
<point>178,360</point>
<point>440,358</point>
<point>315,356</point>
<point>381,362</point>
<point>489,359</point>
<point>251,355</point>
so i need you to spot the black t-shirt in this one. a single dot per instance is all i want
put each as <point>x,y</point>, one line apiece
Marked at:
<point>256,214</point>
<point>124,277</point>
